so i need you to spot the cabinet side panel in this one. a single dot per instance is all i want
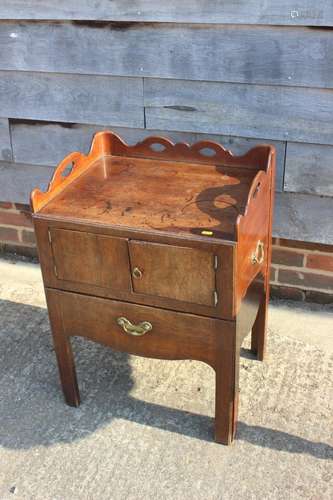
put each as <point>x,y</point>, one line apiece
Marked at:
<point>45,252</point>
<point>254,233</point>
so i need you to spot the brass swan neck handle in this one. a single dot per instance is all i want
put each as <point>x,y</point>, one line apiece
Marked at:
<point>132,329</point>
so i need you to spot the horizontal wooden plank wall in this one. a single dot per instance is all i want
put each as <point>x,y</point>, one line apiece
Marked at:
<point>270,112</point>
<point>306,12</point>
<point>245,54</point>
<point>309,169</point>
<point>19,179</point>
<point>291,221</point>
<point>240,73</point>
<point>5,144</point>
<point>66,97</point>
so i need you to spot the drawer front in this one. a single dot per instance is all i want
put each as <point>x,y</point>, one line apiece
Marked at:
<point>137,329</point>
<point>173,272</point>
<point>90,258</point>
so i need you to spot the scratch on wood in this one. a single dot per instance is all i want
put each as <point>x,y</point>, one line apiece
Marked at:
<point>108,207</point>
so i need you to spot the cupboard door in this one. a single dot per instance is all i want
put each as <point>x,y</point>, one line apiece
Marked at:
<point>90,258</point>
<point>180,273</point>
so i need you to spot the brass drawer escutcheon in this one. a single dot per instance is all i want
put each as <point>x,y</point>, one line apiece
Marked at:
<point>135,330</point>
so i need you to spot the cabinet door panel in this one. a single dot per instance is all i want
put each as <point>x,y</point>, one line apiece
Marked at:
<point>181,273</point>
<point>91,258</point>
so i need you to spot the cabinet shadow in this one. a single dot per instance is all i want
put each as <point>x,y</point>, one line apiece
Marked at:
<point>33,411</point>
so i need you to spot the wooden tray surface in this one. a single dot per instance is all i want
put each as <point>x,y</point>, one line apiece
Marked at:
<point>116,185</point>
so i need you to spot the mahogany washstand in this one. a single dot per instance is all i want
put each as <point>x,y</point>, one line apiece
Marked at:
<point>159,250</point>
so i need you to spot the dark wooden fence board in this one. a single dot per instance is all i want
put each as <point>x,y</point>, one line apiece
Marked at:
<point>5,146</point>
<point>48,143</point>
<point>268,112</point>
<point>307,12</point>
<point>72,98</point>
<point>303,217</point>
<point>245,54</point>
<point>18,180</point>
<point>309,169</point>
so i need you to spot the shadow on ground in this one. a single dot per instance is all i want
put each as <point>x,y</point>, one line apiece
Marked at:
<point>33,412</point>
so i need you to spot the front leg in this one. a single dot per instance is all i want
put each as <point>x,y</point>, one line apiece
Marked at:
<point>63,350</point>
<point>67,370</point>
<point>227,393</point>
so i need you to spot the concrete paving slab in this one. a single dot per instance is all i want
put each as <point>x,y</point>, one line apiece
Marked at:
<point>15,272</point>
<point>144,428</point>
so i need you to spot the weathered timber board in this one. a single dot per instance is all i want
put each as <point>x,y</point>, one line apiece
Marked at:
<point>307,12</point>
<point>303,217</point>
<point>265,111</point>
<point>229,53</point>
<point>72,98</point>
<point>5,146</point>
<point>309,169</point>
<point>18,180</point>
<point>48,143</point>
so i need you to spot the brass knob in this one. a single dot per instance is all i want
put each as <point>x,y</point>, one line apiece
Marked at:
<point>135,330</point>
<point>136,273</point>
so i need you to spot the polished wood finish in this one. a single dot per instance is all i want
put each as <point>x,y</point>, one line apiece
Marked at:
<point>193,198</point>
<point>159,250</point>
<point>173,336</point>
<point>258,338</point>
<point>63,350</point>
<point>122,186</point>
<point>224,274</point>
<point>180,273</point>
<point>103,260</point>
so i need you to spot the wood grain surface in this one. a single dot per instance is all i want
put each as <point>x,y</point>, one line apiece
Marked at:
<point>271,112</point>
<point>126,193</point>
<point>78,98</point>
<point>309,169</point>
<point>84,257</point>
<point>229,53</point>
<point>186,274</point>
<point>197,11</point>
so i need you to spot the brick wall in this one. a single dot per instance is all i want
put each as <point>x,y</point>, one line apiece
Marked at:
<point>300,271</point>
<point>16,229</point>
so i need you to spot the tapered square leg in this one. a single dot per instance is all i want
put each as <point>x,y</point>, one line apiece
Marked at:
<point>67,371</point>
<point>63,350</point>
<point>259,330</point>
<point>226,394</point>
